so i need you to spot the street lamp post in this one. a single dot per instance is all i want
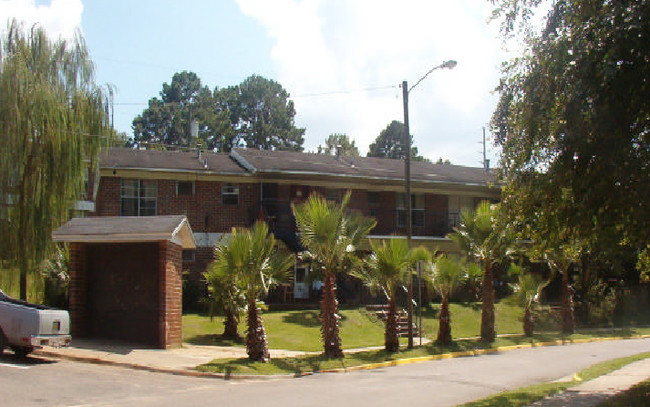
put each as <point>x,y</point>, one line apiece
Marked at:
<point>409,205</point>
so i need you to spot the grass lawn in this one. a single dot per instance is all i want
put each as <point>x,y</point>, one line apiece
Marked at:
<point>290,330</point>
<point>300,330</point>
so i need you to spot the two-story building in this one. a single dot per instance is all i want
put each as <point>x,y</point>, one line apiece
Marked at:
<point>218,191</point>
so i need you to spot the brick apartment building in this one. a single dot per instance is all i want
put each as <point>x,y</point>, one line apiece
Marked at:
<point>218,191</point>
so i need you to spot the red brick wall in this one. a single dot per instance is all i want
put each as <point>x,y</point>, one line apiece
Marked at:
<point>204,210</point>
<point>108,197</point>
<point>384,213</point>
<point>170,323</point>
<point>435,217</point>
<point>77,292</point>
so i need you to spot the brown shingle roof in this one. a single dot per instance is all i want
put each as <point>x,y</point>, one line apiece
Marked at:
<point>250,161</point>
<point>363,167</point>
<point>105,229</point>
<point>170,160</point>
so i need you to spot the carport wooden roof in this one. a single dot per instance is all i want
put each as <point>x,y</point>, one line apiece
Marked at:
<point>124,229</point>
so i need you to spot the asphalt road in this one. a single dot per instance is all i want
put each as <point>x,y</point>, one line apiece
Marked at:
<point>448,382</point>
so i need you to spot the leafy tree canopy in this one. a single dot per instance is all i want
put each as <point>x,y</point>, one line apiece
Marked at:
<point>256,113</point>
<point>167,120</point>
<point>573,122</point>
<point>52,118</point>
<point>261,115</point>
<point>390,143</point>
<point>339,144</point>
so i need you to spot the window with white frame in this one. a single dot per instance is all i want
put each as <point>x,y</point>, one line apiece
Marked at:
<point>230,194</point>
<point>138,197</point>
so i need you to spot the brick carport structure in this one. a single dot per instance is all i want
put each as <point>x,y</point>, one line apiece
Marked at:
<point>126,277</point>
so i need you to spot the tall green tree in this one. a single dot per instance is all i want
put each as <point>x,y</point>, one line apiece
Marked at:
<point>331,235</point>
<point>387,268</point>
<point>445,274</point>
<point>256,264</point>
<point>390,143</point>
<point>339,144</point>
<point>53,117</point>
<point>261,114</point>
<point>168,119</point>
<point>482,237</point>
<point>573,123</point>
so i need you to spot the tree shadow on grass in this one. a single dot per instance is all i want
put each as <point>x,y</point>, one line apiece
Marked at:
<point>310,318</point>
<point>214,340</point>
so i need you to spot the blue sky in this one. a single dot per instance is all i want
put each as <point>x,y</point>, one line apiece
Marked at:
<point>324,52</point>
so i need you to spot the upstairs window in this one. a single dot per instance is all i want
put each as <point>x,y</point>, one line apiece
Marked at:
<point>230,194</point>
<point>138,197</point>
<point>417,210</point>
<point>184,188</point>
<point>374,198</point>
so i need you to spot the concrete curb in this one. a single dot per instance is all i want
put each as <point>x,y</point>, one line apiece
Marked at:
<point>476,352</point>
<point>369,366</point>
<point>154,369</point>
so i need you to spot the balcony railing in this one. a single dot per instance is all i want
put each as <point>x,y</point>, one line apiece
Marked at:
<point>282,223</point>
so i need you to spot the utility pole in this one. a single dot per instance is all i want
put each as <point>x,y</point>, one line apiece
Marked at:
<point>409,226</point>
<point>484,158</point>
<point>407,175</point>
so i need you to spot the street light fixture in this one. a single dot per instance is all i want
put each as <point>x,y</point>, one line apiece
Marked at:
<point>409,205</point>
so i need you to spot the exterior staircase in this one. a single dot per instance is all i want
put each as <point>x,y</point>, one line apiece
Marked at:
<point>380,313</point>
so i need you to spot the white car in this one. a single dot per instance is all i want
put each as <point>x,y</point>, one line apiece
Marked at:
<point>25,326</point>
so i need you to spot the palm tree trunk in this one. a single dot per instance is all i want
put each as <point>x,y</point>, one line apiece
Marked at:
<point>256,346</point>
<point>488,333</point>
<point>230,325</point>
<point>568,323</point>
<point>529,322</point>
<point>390,336</point>
<point>330,319</point>
<point>444,329</point>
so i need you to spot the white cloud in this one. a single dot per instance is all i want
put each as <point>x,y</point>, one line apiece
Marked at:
<point>60,18</point>
<point>325,46</point>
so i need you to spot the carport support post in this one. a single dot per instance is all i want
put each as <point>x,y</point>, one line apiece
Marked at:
<point>78,290</point>
<point>170,318</point>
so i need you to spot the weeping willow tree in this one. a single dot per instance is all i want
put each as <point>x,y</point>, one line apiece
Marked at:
<point>52,120</point>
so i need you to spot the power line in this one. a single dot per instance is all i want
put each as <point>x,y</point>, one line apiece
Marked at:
<point>341,92</point>
<point>330,93</point>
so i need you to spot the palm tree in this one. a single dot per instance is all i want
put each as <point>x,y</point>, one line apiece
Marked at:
<point>257,265</point>
<point>446,272</point>
<point>528,288</point>
<point>480,236</point>
<point>225,295</point>
<point>388,267</point>
<point>331,236</point>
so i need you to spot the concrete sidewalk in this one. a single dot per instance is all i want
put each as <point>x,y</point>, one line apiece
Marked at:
<point>593,392</point>
<point>179,361</point>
